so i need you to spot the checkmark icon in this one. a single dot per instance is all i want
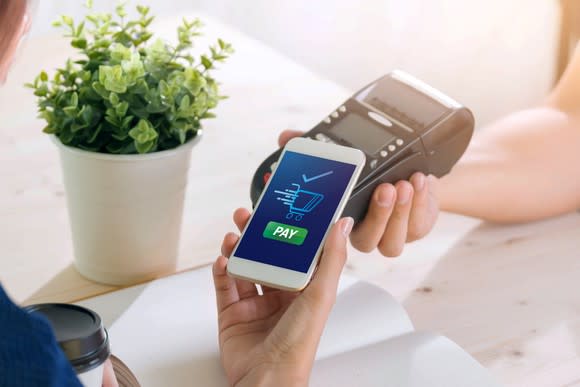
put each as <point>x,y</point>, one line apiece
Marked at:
<point>309,179</point>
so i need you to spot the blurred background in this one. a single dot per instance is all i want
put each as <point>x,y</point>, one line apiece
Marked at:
<point>494,56</point>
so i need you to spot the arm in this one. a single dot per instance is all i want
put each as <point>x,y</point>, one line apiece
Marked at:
<point>525,166</point>
<point>29,353</point>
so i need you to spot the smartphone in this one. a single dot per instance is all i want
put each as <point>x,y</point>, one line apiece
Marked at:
<point>303,198</point>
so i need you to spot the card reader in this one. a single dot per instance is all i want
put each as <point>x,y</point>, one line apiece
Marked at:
<point>401,124</point>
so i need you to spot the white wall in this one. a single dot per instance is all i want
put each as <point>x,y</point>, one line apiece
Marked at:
<point>494,56</point>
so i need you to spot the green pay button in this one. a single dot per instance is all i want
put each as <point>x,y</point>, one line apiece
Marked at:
<point>285,233</point>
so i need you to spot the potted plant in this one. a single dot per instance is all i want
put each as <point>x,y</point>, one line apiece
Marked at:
<point>125,115</point>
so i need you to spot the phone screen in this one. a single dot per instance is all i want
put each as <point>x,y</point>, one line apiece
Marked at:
<point>293,216</point>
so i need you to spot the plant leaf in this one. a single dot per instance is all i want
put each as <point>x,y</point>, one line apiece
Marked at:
<point>125,91</point>
<point>206,62</point>
<point>143,132</point>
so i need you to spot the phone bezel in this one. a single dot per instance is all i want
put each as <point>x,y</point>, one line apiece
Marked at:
<point>283,278</point>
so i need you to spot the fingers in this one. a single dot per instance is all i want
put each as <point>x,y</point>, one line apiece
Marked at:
<point>241,217</point>
<point>228,244</point>
<point>109,378</point>
<point>322,289</point>
<point>245,288</point>
<point>425,207</point>
<point>226,290</point>
<point>398,214</point>
<point>395,235</point>
<point>287,135</point>
<point>300,327</point>
<point>367,234</point>
<point>304,320</point>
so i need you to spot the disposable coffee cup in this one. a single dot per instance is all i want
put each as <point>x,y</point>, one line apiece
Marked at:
<point>82,337</point>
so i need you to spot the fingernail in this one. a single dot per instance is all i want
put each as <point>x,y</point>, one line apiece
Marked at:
<point>347,224</point>
<point>385,197</point>
<point>404,194</point>
<point>419,182</point>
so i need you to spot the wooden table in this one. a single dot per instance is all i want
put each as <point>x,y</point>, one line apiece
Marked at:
<point>508,295</point>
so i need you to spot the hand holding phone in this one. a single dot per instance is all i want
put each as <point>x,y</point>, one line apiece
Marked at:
<point>285,326</point>
<point>398,213</point>
<point>304,197</point>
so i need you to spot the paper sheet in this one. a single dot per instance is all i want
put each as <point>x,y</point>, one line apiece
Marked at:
<point>413,360</point>
<point>166,331</point>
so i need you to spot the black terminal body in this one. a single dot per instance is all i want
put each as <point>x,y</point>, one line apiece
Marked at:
<point>401,124</point>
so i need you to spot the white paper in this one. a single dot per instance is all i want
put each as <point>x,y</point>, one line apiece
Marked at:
<point>166,332</point>
<point>412,360</point>
<point>363,314</point>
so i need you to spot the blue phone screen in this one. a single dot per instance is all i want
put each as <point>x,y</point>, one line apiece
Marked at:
<point>292,218</point>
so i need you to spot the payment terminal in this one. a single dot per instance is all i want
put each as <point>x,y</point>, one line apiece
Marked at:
<point>401,124</point>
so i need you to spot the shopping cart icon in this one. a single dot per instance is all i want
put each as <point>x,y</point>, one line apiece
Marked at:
<point>299,200</point>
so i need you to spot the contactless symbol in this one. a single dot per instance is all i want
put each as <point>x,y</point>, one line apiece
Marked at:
<point>299,201</point>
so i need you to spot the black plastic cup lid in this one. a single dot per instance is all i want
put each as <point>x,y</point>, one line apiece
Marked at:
<point>79,332</point>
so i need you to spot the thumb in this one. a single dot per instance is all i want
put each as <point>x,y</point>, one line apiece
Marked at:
<point>323,287</point>
<point>301,326</point>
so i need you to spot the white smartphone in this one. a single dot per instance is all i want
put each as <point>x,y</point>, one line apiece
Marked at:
<point>303,198</point>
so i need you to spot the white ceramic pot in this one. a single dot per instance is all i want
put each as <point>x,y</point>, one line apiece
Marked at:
<point>125,211</point>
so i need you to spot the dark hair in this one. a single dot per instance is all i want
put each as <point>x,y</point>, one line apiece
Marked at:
<point>11,14</point>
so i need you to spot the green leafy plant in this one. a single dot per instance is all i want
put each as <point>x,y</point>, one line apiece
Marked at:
<point>128,94</point>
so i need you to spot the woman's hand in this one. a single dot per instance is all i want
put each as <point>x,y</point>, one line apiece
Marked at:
<point>398,213</point>
<point>109,378</point>
<point>271,339</point>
